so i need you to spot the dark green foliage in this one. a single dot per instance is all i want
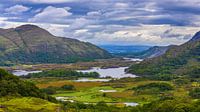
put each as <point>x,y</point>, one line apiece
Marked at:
<point>49,90</point>
<point>180,60</point>
<point>180,82</point>
<point>195,72</point>
<point>68,87</point>
<point>153,88</point>
<point>164,77</point>
<point>99,107</point>
<point>12,85</point>
<point>168,105</point>
<point>195,93</point>
<point>160,86</point>
<point>52,90</point>
<point>71,74</point>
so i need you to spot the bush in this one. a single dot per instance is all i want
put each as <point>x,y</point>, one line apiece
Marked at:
<point>195,93</point>
<point>153,88</point>
<point>68,87</point>
<point>49,90</point>
<point>180,82</point>
<point>160,86</point>
<point>164,77</point>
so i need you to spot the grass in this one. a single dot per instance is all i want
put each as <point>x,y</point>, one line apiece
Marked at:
<point>90,91</point>
<point>24,104</point>
<point>78,85</point>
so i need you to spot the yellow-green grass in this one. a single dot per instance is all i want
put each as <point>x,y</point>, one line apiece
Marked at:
<point>27,104</point>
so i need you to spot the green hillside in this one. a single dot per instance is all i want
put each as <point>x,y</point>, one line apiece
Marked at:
<point>181,60</point>
<point>13,86</point>
<point>32,44</point>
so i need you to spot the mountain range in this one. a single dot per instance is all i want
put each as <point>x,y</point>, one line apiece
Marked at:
<point>32,44</point>
<point>182,60</point>
<point>135,51</point>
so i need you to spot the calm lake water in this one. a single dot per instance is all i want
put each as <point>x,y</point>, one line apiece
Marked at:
<point>110,72</point>
<point>23,72</point>
<point>133,59</point>
<point>103,72</point>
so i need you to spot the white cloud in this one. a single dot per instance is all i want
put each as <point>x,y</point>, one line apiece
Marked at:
<point>47,1</point>
<point>94,13</point>
<point>121,5</point>
<point>51,15</point>
<point>136,35</point>
<point>79,23</point>
<point>17,9</point>
<point>115,34</point>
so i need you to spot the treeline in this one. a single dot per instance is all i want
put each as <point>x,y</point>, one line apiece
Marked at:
<point>11,85</point>
<point>164,105</point>
<point>52,90</point>
<point>70,74</point>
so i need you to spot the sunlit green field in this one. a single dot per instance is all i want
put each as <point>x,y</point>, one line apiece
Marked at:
<point>91,91</point>
<point>24,104</point>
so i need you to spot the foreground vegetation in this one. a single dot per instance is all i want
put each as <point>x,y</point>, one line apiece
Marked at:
<point>27,104</point>
<point>162,93</point>
<point>152,95</point>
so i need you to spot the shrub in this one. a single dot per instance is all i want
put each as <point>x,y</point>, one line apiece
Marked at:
<point>153,88</point>
<point>164,77</point>
<point>49,90</point>
<point>195,93</point>
<point>68,87</point>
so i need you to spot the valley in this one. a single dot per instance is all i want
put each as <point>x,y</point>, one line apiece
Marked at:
<point>99,56</point>
<point>112,86</point>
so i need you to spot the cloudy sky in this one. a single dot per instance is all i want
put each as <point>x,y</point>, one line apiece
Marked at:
<point>120,22</point>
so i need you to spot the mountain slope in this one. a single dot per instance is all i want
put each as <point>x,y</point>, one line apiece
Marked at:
<point>182,60</point>
<point>152,52</point>
<point>32,44</point>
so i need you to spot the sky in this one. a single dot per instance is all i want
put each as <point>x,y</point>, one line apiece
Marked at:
<point>103,22</point>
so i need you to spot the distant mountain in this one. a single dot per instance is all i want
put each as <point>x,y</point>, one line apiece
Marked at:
<point>32,44</point>
<point>117,49</point>
<point>196,37</point>
<point>152,52</point>
<point>136,51</point>
<point>125,51</point>
<point>181,60</point>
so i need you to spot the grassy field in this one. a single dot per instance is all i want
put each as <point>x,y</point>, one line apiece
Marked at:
<point>24,104</point>
<point>91,91</point>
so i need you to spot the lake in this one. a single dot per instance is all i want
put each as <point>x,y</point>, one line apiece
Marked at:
<point>23,72</point>
<point>110,72</point>
<point>103,72</point>
<point>133,59</point>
